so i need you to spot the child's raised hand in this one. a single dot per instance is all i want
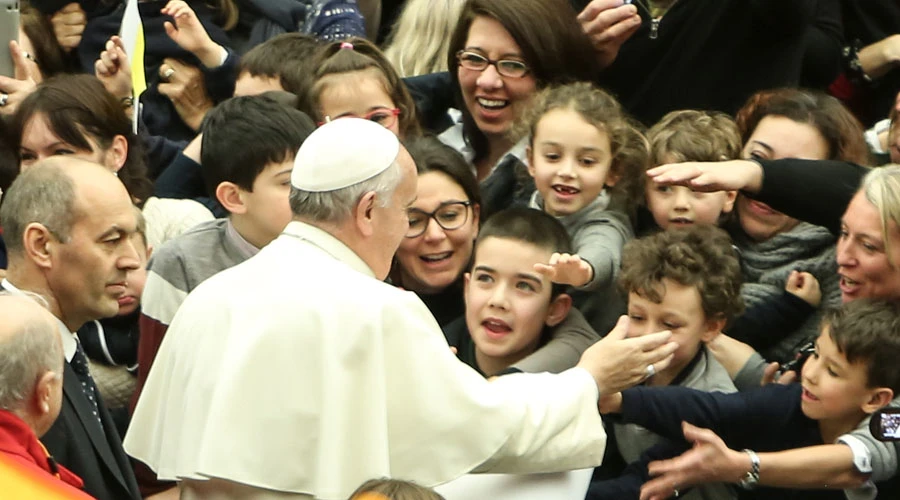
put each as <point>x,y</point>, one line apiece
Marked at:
<point>567,269</point>
<point>190,34</point>
<point>113,70</point>
<point>804,286</point>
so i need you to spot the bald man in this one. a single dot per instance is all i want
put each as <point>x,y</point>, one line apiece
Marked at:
<point>68,226</point>
<point>30,398</point>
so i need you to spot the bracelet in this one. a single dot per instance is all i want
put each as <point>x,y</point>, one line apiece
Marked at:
<point>127,102</point>
<point>751,479</point>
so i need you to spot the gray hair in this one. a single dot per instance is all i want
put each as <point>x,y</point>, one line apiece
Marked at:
<point>335,206</point>
<point>25,356</point>
<point>44,194</point>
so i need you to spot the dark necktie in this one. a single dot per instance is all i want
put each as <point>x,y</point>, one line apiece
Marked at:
<point>80,365</point>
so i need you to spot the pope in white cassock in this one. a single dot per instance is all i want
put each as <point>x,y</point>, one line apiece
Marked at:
<point>300,374</point>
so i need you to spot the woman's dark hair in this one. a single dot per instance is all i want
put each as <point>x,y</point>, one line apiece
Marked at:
<point>77,107</point>
<point>431,155</point>
<point>840,129</point>
<point>553,46</point>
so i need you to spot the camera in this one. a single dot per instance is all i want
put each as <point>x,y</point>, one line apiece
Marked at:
<point>800,358</point>
<point>885,424</point>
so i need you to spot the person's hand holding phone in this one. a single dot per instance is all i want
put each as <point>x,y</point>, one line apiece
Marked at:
<point>14,90</point>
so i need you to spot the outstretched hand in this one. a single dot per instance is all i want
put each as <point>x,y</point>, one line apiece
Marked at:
<point>190,34</point>
<point>708,461</point>
<point>734,175</point>
<point>113,70</point>
<point>617,362</point>
<point>567,269</point>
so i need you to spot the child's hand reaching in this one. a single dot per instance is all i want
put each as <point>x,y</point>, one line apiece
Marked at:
<point>804,286</point>
<point>190,35</point>
<point>567,269</point>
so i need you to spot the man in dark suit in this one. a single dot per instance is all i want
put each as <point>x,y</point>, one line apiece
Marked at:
<point>67,224</point>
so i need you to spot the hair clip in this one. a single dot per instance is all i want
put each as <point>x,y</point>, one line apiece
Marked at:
<point>346,45</point>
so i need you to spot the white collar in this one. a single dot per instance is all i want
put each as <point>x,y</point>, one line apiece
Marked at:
<point>69,340</point>
<point>454,138</point>
<point>329,244</point>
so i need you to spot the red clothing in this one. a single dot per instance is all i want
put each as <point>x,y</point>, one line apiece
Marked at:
<point>35,470</point>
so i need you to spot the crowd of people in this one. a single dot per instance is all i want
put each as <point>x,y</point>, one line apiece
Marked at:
<point>346,249</point>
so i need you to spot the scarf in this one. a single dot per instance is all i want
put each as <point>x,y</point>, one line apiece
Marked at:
<point>766,266</point>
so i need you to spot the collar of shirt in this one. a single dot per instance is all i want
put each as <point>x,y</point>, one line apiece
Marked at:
<point>329,244</point>
<point>69,340</point>
<point>454,138</point>
<point>243,246</point>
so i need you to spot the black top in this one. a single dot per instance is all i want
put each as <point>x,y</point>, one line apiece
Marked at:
<point>714,54</point>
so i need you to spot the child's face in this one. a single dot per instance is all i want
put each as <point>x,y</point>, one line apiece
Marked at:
<point>678,206</point>
<point>360,94</point>
<point>265,211</point>
<point>135,279</point>
<point>681,312</point>
<point>835,390</point>
<point>507,301</point>
<point>570,160</point>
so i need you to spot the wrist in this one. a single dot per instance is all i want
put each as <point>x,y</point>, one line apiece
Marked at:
<point>212,55</point>
<point>750,466</point>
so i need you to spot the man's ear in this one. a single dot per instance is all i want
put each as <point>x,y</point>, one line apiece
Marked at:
<point>38,243</point>
<point>714,327</point>
<point>879,398</point>
<point>43,391</point>
<point>231,196</point>
<point>559,309</point>
<point>364,213</point>
<point>117,153</point>
<point>730,196</point>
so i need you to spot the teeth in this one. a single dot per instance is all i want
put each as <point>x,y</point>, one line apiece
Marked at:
<point>436,257</point>
<point>565,189</point>
<point>849,281</point>
<point>491,103</point>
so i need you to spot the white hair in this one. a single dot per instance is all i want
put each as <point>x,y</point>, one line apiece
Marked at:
<point>25,356</point>
<point>335,206</point>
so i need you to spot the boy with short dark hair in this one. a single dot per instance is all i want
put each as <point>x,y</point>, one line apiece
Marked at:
<point>280,63</point>
<point>512,310</point>
<point>248,150</point>
<point>852,373</point>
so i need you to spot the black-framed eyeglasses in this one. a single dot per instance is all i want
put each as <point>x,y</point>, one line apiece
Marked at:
<point>449,215</point>
<point>477,62</point>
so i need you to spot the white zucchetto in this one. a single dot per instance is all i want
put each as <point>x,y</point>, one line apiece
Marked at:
<point>343,152</point>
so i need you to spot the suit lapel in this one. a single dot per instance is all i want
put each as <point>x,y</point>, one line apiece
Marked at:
<point>75,396</point>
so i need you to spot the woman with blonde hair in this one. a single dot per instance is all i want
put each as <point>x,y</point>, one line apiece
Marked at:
<point>420,39</point>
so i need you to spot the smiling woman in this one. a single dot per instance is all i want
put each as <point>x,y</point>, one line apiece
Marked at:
<point>501,53</point>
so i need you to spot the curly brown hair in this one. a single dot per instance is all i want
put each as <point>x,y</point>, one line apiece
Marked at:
<point>692,135</point>
<point>628,146</point>
<point>699,255</point>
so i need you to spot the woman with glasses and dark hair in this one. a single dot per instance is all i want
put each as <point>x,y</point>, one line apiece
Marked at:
<point>443,223</point>
<point>501,53</point>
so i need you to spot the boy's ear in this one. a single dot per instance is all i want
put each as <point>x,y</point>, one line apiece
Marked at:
<point>529,154</point>
<point>730,197</point>
<point>559,309</point>
<point>230,195</point>
<point>880,397</point>
<point>714,327</point>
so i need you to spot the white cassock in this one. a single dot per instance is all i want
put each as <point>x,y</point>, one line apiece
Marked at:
<point>297,371</point>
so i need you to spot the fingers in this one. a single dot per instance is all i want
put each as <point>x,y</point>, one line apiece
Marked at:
<point>547,270</point>
<point>22,67</point>
<point>614,10</point>
<point>769,373</point>
<point>793,281</point>
<point>620,331</point>
<point>787,378</point>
